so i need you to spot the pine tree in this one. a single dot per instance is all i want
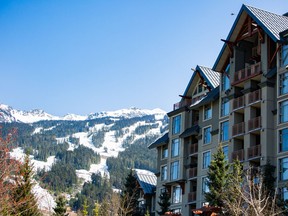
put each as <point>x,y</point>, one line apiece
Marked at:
<point>85,208</point>
<point>60,208</point>
<point>22,195</point>
<point>131,194</point>
<point>164,202</point>
<point>96,209</point>
<point>218,175</point>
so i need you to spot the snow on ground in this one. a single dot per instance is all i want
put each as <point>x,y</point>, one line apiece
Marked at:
<point>37,130</point>
<point>94,168</point>
<point>44,198</point>
<point>19,155</point>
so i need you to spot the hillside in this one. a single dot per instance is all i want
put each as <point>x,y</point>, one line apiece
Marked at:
<point>75,147</point>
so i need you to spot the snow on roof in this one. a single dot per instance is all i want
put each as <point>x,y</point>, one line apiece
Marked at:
<point>147,180</point>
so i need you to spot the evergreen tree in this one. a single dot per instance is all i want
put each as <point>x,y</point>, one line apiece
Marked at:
<point>164,202</point>
<point>60,208</point>
<point>22,195</point>
<point>218,175</point>
<point>96,209</point>
<point>268,178</point>
<point>85,208</point>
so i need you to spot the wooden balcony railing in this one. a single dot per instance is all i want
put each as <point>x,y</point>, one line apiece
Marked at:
<point>192,172</point>
<point>247,73</point>
<point>193,148</point>
<point>239,154</point>
<point>254,151</point>
<point>192,196</point>
<point>238,129</point>
<point>181,104</point>
<point>254,96</point>
<point>254,123</point>
<point>238,102</point>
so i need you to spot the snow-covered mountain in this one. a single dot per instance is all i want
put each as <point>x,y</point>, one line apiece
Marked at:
<point>8,114</point>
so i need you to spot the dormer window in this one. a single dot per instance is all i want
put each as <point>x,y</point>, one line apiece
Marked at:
<point>199,89</point>
<point>225,80</point>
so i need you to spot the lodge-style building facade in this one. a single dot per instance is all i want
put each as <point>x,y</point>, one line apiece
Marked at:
<point>242,103</point>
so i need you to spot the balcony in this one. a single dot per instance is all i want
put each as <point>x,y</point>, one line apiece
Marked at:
<point>254,96</point>
<point>192,172</point>
<point>193,148</point>
<point>238,129</point>
<point>247,73</point>
<point>183,103</point>
<point>238,102</point>
<point>254,124</point>
<point>254,151</point>
<point>192,197</point>
<point>239,154</point>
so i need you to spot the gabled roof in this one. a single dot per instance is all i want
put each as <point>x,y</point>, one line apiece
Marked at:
<point>273,24</point>
<point>210,97</point>
<point>161,141</point>
<point>211,77</point>
<point>147,180</point>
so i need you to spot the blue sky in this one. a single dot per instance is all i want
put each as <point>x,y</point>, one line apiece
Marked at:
<point>68,56</point>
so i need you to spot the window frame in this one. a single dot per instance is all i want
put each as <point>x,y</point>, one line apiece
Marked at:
<point>226,155</point>
<point>282,176</point>
<point>204,185</point>
<point>176,124</point>
<point>176,191</point>
<point>225,103</point>
<point>282,113</point>
<point>284,55</point>
<point>205,165</point>
<point>282,78</point>
<point>205,117</point>
<point>221,135</point>
<point>165,150</point>
<point>282,140</point>
<point>204,135</point>
<point>173,149</point>
<point>172,169</point>
<point>166,176</point>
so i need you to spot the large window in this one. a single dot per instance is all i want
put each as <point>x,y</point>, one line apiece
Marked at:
<point>224,107</point>
<point>207,112</point>
<point>225,151</point>
<point>283,140</point>
<point>177,194</point>
<point>207,135</point>
<point>175,147</point>
<point>225,81</point>
<point>284,55</point>
<point>206,159</point>
<point>205,187</point>
<point>163,173</point>
<point>176,124</point>
<point>164,152</point>
<point>283,83</point>
<point>174,172</point>
<point>285,193</point>
<point>283,115</point>
<point>283,169</point>
<point>224,131</point>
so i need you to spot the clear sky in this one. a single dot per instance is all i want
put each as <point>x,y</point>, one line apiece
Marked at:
<point>83,56</point>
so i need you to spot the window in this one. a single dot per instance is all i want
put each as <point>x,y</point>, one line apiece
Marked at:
<point>283,140</point>
<point>163,173</point>
<point>175,147</point>
<point>225,81</point>
<point>174,172</point>
<point>224,133</point>
<point>225,151</point>
<point>205,188</point>
<point>206,160</point>
<point>285,193</point>
<point>283,112</point>
<point>177,194</point>
<point>283,169</point>
<point>207,112</point>
<point>284,55</point>
<point>207,135</point>
<point>283,83</point>
<point>224,107</point>
<point>164,152</point>
<point>176,124</point>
